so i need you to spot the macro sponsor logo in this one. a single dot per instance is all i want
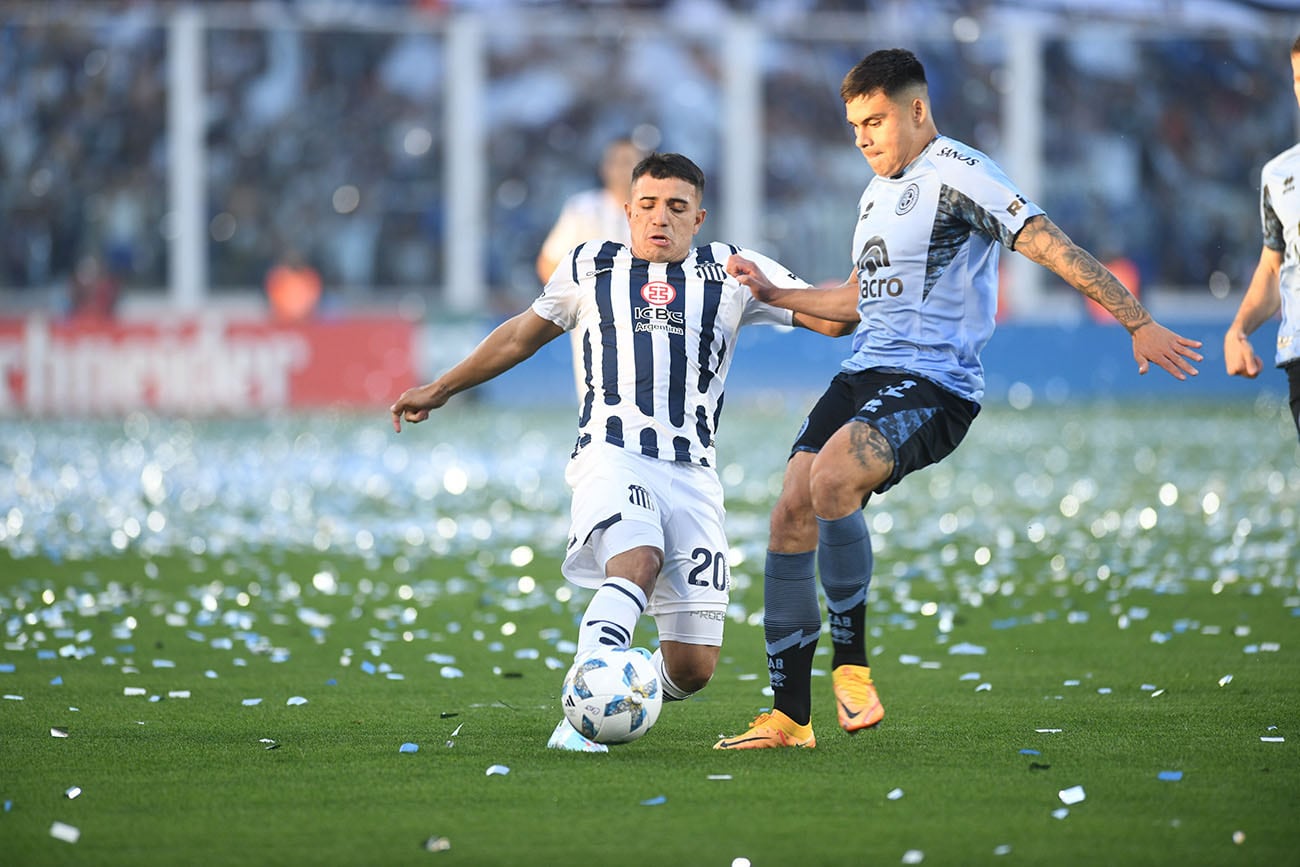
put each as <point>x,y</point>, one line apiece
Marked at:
<point>874,256</point>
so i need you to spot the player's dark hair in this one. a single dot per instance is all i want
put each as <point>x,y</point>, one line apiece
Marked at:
<point>890,71</point>
<point>662,166</point>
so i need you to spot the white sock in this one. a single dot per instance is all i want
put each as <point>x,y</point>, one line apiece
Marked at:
<point>672,692</point>
<point>611,616</point>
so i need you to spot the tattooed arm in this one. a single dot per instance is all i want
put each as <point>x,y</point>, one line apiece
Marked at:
<point>1042,241</point>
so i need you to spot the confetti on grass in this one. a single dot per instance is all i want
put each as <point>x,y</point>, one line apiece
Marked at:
<point>655,801</point>
<point>409,747</point>
<point>66,833</point>
<point>1072,795</point>
<point>497,771</point>
<point>437,844</point>
<point>1170,776</point>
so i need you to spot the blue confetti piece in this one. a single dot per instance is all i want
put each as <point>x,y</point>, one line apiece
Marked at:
<point>9,805</point>
<point>1027,752</point>
<point>1170,776</point>
<point>332,682</point>
<point>655,801</point>
<point>409,748</point>
<point>367,666</point>
<point>57,681</point>
<point>6,668</point>
<point>46,654</point>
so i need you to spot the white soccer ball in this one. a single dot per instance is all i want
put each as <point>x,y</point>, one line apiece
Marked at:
<point>612,696</point>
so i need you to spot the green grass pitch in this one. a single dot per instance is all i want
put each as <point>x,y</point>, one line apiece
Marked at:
<point>1103,598</point>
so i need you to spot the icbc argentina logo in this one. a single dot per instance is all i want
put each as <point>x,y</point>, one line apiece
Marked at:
<point>659,294</point>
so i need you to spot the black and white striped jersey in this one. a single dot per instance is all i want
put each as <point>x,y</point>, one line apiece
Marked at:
<point>654,342</point>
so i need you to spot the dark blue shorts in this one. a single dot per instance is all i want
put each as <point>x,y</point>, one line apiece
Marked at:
<point>921,420</point>
<point>1293,378</point>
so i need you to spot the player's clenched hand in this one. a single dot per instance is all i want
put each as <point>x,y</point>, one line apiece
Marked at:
<point>1153,343</point>
<point>1239,356</point>
<point>414,405</point>
<point>749,275</point>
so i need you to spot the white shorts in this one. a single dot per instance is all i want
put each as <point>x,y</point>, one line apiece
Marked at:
<point>623,500</point>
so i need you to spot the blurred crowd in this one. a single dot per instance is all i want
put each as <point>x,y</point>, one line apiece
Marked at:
<point>327,144</point>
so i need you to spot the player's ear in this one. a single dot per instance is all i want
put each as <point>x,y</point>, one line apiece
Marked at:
<point>699,218</point>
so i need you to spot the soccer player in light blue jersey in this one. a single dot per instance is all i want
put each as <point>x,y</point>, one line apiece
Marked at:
<point>657,322</point>
<point>1276,283</point>
<point>924,289</point>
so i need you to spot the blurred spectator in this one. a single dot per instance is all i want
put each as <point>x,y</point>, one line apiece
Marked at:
<point>293,288</point>
<point>595,213</point>
<point>93,290</point>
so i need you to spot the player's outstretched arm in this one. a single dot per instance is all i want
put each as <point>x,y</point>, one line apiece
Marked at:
<point>830,311</point>
<point>509,343</point>
<point>1042,241</point>
<point>1261,302</point>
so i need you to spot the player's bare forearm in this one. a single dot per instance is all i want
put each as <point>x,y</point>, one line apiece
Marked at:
<point>513,341</point>
<point>1263,296</point>
<point>1261,302</point>
<point>1042,241</point>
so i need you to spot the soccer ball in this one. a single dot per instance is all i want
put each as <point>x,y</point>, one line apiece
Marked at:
<point>612,696</point>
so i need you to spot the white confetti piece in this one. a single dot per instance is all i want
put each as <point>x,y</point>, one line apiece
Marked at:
<point>250,702</point>
<point>1225,680</point>
<point>965,648</point>
<point>1072,795</point>
<point>1157,693</point>
<point>58,733</point>
<point>909,659</point>
<point>1060,813</point>
<point>894,794</point>
<point>11,697</point>
<point>71,792</point>
<point>984,687</point>
<point>1048,731</point>
<point>497,771</point>
<point>719,777</point>
<point>913,856</point>
<point>1268,740</point>
<point>970,675</point>
<point>66,833</point>
<point>295,700</point>
<point>178,693</point>
<point>450,672</point>
<point>1004,849</point>
<point>1238,837</point>
<point>135,690</point>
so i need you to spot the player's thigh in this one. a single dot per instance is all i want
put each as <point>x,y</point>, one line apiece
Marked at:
<point>615,509</point>
<point>904,423</point>
<point>696,576</point>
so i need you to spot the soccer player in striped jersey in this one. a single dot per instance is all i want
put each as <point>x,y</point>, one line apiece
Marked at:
<point>657,323</point>
<point>924,284</point>
<point>1276,282</point>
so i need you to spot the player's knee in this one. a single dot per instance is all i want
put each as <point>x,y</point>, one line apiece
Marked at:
<point>838,490</point>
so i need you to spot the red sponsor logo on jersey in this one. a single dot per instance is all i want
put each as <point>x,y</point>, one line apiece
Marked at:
<point>658,294</point>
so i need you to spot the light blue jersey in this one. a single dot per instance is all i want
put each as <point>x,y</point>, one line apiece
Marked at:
<point>1279,206</point>
<point>926,250</point>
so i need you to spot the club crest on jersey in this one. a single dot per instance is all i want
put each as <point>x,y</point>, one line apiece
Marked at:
<point>908,200</point>
<point>658,293</point>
